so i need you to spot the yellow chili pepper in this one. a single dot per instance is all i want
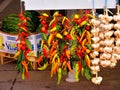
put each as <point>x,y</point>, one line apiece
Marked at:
<point>58,35</point>
<point>43,67</point>
<point>87,60</point>
<point>17,54</point>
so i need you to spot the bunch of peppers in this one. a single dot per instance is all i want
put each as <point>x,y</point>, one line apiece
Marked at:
<point>67,45</point>
<point>24,46</point>
<point>81,45</point>
<point>43,59</point>
<point>55,48</point>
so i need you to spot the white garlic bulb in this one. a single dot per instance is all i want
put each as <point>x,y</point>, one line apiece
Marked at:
<point>101,16</point>
<point>95,53</point>
<point>109,34</point>
<point>117,33</point>
<point>97,80</point>
<point>101,35</point>
<point>95,39</point>
<point>95,61</point>
<point>118,42</point>
<point>105,63</point>
<point>101,49</point>
<point>112,65</point>
<point>108,49</point>
<point>95,46</point>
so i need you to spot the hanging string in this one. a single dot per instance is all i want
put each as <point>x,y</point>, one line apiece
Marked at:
<point>118,6</point>
<point>105,8</point>
<point>117,2</point>
<point>105,3</point>
<point>93,7</point>
<point>93,4</point>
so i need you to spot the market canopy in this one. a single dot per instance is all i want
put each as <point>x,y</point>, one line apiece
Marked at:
<point>67,4</point>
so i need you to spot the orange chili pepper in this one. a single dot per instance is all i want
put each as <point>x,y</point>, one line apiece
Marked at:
<point>53,46</point>
<point>22,42</point>
<point>52,54</point>
<point>19,46</point>
<point>67,52</point>
<point>45,52</point>
<point>54,68</point>
<point>69,67</point>
<point>89,37</point>
<point>82,36</point>
<point>83,44</point>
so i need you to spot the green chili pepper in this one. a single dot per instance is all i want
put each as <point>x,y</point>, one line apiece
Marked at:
<point>76,72</point>
<point>59,75</point>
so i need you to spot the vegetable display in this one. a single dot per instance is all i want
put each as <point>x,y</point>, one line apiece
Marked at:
<point>80,45</point>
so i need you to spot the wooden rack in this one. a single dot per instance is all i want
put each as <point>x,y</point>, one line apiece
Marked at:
<point>5,56</point>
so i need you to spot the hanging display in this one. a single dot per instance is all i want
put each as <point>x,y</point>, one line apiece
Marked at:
<point>80,45</point>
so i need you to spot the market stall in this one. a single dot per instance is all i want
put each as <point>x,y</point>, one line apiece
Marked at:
<point>80,45</point>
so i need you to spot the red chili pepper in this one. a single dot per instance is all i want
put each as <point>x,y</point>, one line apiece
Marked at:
<point>23,47</point>
<point>67,24</point>
<point>24,34</point>
<point>45,25</point>
<point>80,66</point>
<point>26,52</point>
<point>87,11</point>
<point>87,27</point>
<point>68,37</point>
<point>53,25</point>
<point>43,22</point>
<point>45,52</point>
<point>61,58</point>
<point>27,75</point>
<point>39,60</point>
<point>81,20</point>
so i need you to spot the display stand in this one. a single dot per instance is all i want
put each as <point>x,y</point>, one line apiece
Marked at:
<point>64,5</point>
